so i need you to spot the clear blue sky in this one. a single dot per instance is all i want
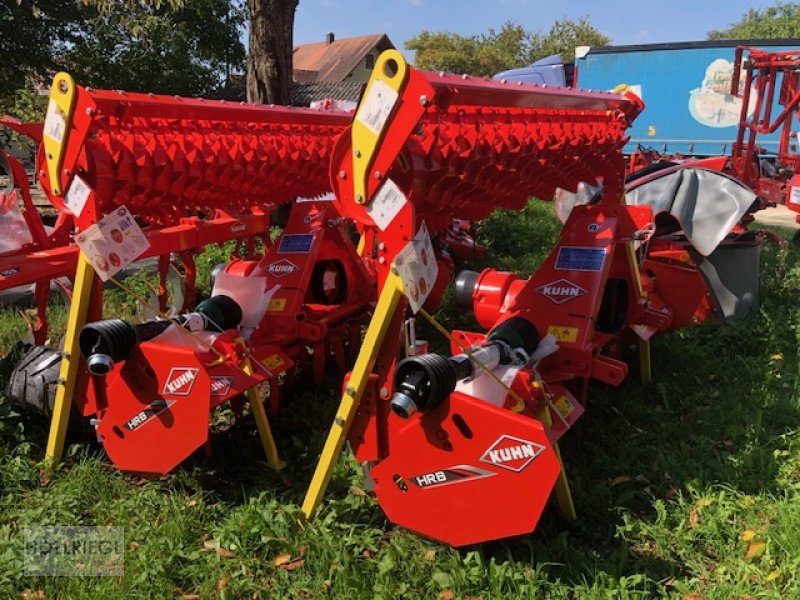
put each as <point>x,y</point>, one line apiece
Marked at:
<point>625,22</point>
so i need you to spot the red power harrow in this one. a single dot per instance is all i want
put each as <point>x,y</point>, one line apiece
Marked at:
<point>444,437</point>
<point>196,172</point>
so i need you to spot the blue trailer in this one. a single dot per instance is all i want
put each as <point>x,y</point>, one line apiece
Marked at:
<point>685,87</point>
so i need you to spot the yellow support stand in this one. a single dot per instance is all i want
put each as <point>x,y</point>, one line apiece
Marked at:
<point>645,368</point>
<point>373,340</point>
<point>81,295</point>
<point>563,493</point>
<point>256,401</point>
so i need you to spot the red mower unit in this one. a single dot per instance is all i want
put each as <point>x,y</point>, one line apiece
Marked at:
<point>445,436</point>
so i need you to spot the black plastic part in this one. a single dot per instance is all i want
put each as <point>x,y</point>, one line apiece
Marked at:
<point>116,338</point>
<point>463,287</point>
<point>427,379</point>
<point>222,312</point>
<point>517,332</point>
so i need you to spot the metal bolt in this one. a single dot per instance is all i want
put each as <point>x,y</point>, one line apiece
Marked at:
<point>465,76</point>
<point>381,260</point>
<point>423,99</point>
<point>89,111</point>
<point>66,172</point>
<point>359,198</point>
<point>503,81</point>
<point>339,421</point>
<point>357,153</point>
<point>382,247</point>
<point>384,393</point>
<point>342,175</point>
<point>41,172</point>
<point>350,390</point>
<point>378,175</point>
<point>62,86</point>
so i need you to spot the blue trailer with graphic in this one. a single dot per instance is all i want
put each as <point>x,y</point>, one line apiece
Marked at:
<point>685,87</point>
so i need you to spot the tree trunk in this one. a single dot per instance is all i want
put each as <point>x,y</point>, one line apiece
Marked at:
<point>269,57</point>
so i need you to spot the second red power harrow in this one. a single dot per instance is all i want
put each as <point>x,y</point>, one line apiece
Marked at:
<point>445,437</point>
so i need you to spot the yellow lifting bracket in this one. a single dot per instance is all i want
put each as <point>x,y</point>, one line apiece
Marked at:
<point>388,301</point>
<point>380,98</point>
<point>81,295</point>
<point>56,127</point>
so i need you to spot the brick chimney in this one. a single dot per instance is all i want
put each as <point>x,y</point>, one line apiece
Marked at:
<point>329,38</point>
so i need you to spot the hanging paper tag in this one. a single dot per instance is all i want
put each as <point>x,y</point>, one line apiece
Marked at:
<point>112,243</point>
<point>416,265</point>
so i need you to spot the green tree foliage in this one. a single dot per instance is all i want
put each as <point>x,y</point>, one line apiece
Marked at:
<point>158,47</point>
<point>512,46</point>
<point>162,46</point>
<point>779,21</point>
<point>28,38</point>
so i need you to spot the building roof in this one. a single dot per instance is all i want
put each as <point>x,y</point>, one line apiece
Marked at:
<point>303,94</point>
<point>333,61</point>
<point>300,93</point>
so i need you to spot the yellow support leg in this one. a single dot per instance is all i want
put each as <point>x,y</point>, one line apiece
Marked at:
<point>563,493</point>
<point>256,401</point>
<point>373,340</point>
<point>81,294</point>
<point>645,368</point>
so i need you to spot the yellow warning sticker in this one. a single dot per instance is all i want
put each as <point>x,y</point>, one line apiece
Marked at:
<point>564,407</point>
<point>273,362</point>
<point>563,334</point>
<point>276,305</point>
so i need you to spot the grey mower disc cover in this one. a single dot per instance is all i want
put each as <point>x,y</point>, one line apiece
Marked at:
<point>706,203</point>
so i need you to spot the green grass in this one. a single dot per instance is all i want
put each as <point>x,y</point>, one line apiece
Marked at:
<point>667,480</point>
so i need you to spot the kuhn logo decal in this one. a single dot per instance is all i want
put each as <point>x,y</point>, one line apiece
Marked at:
<point>220,386</point>
<point>512,453</point>
<point>180,381</point>
<point>281,268</point>
<point>561,291</point>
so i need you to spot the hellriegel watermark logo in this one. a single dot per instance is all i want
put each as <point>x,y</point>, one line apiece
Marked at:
<point>60,551</point>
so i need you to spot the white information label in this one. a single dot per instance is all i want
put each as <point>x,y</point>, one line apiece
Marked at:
<point>375,108</point>
<point>54,124</point>
<point>113,243</point>
<point>77,195</point>
<point>417,268</point>
<point>794,196</point>
<point>386,204</point>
